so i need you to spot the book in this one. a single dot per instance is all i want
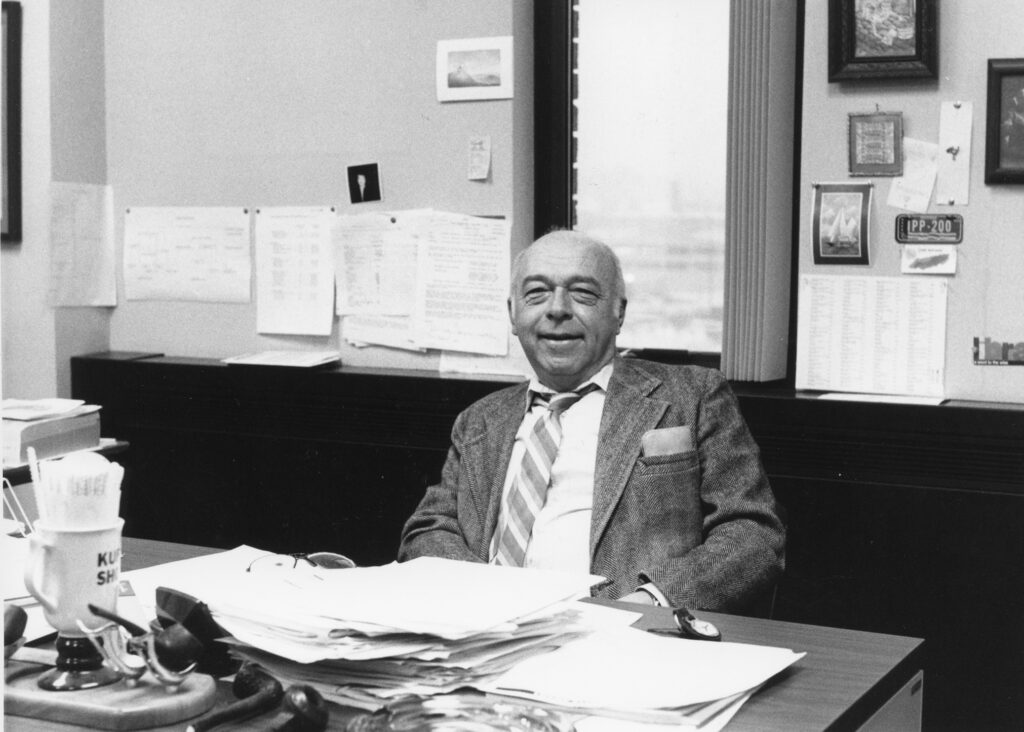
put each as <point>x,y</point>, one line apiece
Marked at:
<point>49,437</point>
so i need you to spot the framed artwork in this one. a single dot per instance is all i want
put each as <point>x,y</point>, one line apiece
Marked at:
<point>363,183</point>
<point>473,69</point>
<point>876,144</point>
<point>840,221</point>
<point>883,39</point>
<point>10,122</point>
<point>1004,121</point>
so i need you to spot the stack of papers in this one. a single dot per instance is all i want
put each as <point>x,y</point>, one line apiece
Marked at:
<point>369,634</point>
<point>366,637</point>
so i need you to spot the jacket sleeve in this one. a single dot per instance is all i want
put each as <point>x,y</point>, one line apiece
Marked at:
<point>434,528</point>
<point>742,554</point>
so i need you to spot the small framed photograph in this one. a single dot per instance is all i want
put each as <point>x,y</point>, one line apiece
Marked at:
<point>1004,121</point>
<point>840,221</point>
<point>363,183</point>
<point>10,121</point>
<point>473,69</point>
<point>876,144</point>
<point>883,39</point>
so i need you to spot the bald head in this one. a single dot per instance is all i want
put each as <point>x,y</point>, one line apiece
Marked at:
<point>567,306</point>
<point>576,240</point>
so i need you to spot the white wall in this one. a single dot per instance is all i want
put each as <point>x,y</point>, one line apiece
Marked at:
<point>985,295</point>
<point>63,138</point>
<point>29,367</point>
<point>265,103</point>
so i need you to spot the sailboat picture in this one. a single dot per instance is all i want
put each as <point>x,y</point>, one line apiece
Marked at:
<point>840,222</point>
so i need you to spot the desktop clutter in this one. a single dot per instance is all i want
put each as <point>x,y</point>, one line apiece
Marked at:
<point>426,644</point>
<point>108,671</point>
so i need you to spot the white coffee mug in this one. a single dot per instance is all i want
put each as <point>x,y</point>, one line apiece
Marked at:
<point>69,569</point>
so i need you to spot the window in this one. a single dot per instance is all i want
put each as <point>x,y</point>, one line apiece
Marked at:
<point>651,120</point>
<point>680,154</point>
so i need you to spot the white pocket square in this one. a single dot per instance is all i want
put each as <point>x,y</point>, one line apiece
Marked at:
<point>667,441</point>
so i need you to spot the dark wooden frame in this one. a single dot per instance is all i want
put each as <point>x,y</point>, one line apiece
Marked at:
<point>859,167</point>
<point>996,168</point>
<point>844,64</point>
<point>10,229</point>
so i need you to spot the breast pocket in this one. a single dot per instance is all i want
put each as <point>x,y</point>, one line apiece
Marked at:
<point>663,501</point>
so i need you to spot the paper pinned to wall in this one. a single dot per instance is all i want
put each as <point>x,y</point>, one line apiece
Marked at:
<point>462,284</point>
<point>424,279</point>
<point>880,335</point>
<point>82,270</point>
<point>294,270</point>
<point>952,187</point>
<point>187,253</point>
<point>376,262</point>
<point>913,190</point>
<point>394,331</point>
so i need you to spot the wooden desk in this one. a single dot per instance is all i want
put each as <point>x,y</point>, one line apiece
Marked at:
<point>845,678</point>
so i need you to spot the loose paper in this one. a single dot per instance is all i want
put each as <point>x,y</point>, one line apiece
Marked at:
<point>479,157</point>
<point>294,270</point>
<point>882,335</point>
<point>185,253</point>
<point>954,166</point>
<point>82,245</point>
<point>913,190</point>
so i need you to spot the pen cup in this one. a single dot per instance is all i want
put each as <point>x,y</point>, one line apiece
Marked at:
<point>67,570</point>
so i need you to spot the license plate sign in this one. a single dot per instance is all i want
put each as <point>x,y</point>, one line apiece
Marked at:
<point>929,228</point>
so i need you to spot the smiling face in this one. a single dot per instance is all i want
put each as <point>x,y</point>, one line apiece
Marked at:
<point>566,307</point>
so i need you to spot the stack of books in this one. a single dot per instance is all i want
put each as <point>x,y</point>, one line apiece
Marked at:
<point>51,426</point>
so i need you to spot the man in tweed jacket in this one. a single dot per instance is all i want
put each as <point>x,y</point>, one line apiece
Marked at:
<point>678,506</point>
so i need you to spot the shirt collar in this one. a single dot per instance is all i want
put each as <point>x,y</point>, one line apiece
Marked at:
<point>601,378</point>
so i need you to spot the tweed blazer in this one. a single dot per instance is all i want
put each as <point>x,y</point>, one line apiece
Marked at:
<point>701,523</point>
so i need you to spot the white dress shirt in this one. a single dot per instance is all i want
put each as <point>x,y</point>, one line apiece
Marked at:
<point>561,532</point>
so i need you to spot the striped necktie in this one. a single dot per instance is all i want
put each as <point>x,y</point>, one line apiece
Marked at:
<point>529,489</point>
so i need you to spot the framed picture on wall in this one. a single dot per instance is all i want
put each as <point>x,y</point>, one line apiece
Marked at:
<point>876,144</point>
<point>882,39</point>
<point>10,122</point>
<point>473,69</point>
<point>840,221</point>
<point>1004,121</point>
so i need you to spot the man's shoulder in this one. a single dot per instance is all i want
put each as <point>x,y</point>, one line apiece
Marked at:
<point>499,400</point>
<point>669,374</point>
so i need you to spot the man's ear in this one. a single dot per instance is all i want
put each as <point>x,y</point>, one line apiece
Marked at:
<point>622,314</point>
<point>512,315</point>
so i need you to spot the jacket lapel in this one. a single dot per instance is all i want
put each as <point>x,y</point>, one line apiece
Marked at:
<point>488,456</point>
<point>628,413</point>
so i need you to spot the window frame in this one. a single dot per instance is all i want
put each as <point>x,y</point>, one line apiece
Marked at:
<point>554,91</point>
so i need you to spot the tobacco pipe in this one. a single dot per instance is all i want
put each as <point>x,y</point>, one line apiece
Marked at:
<point>256,691</point>
<point>305,710</point>
<point>176,648</point>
